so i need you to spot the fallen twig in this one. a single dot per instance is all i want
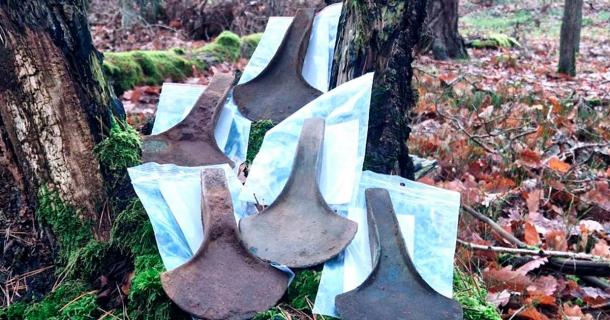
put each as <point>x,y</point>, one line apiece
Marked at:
<point>496,227</point>
<point>532,252</point>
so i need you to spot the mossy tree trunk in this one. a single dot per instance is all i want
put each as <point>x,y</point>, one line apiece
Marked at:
<point>442,30</point>
<point>380,36</point>
<point>54,107</point>
<point>570,36</point>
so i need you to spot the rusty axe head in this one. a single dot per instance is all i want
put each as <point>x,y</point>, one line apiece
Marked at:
<point>299,229</point>
<point>394,289</point>
<point>191,142</point>
<point>223,280</point>
<point>280,89</point>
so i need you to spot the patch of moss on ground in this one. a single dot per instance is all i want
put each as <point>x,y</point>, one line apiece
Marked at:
<point>71,300</point>
<point>257,135</point>
<point>225,48</point>
<point>470,292</point>
<point>249,44</point>
<point>125,70</point>
<point>133,231</point>
<point>147,300</point>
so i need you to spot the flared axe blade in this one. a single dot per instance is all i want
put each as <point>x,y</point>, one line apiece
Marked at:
<point>299,229</point>
<point>223,280</point>
<point>191,142</point>
<point>280,89</point>
<point>394,289</point>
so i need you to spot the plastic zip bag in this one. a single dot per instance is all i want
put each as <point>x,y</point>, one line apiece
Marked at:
<point>171,196</point>
<point>346,111</point>
<point>232,130</point>
<point>428,218</point>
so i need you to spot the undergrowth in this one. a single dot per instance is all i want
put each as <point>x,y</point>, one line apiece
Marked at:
<point>257,135</point>
<point>470,292</point>
<point>71,300</point>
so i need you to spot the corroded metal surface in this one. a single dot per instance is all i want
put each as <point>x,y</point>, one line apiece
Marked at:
<point>191,142</point>
<point>299,229</point>
<point>223,280</point>
<point>394,290</point>
<point>280,89</point>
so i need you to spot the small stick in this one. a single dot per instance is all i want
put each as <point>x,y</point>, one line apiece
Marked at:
<point>496,227</point>
<point>543,253</point>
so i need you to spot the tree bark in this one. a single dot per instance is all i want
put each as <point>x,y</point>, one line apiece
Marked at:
<point>442,30</point>
<point>570,36</point>
<point>54,107</point>
<point>380,36</point>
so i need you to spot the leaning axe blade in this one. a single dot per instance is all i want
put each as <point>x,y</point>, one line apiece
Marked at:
<point>280,89</point>
<point>394,289</point>
<point>191,142</point>
<point>299,229</point>
<point>223,280</point>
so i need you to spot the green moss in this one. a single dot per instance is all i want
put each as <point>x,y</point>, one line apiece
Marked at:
<point>147,300</point>
<point>471,294</point>
<point>226,47</point>
<point>15,311</point>
<point>249,44</point>
<point>257,135</point>
<point>125,70</point>
<point>82,309</point>
<point>303,289</point>
<point>64,303</point>
<point>132,230</point>
<point>121,149</point>
<point>70,231</point>
<point>92,260</point>
<point>495,41</point>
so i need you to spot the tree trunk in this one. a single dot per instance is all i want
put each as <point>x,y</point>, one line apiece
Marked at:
<point>380,36</point>
<point>570,36</point>
<point>54,107</point>
<point>442,30</point>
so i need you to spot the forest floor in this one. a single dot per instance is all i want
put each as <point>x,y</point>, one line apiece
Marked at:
<point>525,146</point>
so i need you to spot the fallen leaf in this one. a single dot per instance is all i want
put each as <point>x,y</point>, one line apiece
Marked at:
<point>530,158</point>
<point>546,285</point>
<point>558,165</point>
<point>498,299</point>
<point>556,240</point>
<point>574,313</point>
<point>532,265</point>
<point>529,314</point>
<point>530,234</point>
<point>601,249</point>
<point>533,200</point>
<point>505,279</point>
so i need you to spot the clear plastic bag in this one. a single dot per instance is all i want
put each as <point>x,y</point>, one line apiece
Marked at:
<point>428,218</point>
<point>171,196</point>
<point>346,111</point>
<point>232,130</point>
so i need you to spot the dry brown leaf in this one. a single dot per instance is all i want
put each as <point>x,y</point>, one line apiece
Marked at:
<point>529,314</point>
<point>574,313</point>
<point>505,279</point>
<point>536,263</point>
<point>530,234</point>
<point>601,249</point>
<point>546,286</point>
<point>556,240</point>
<point>558,165</point>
